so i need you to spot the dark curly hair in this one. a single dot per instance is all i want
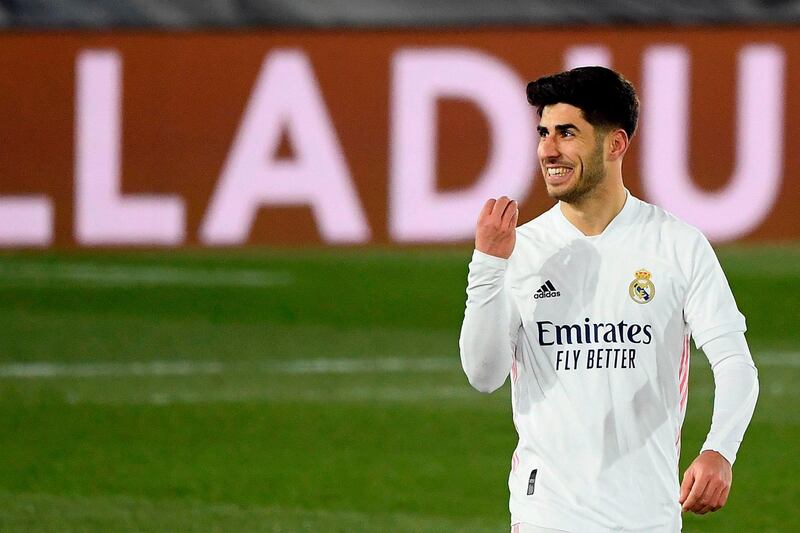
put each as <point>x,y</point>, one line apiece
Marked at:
<point>606,98</point>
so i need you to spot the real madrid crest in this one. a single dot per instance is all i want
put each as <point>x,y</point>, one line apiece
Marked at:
<point>641,289</point>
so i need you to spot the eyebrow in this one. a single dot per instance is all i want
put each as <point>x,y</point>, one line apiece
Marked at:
<point>560,128</point>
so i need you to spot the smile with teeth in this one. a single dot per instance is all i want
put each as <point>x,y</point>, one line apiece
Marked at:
<point>558,171</point>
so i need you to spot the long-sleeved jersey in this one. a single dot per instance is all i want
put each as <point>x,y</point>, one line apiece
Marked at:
<point>595,332</point>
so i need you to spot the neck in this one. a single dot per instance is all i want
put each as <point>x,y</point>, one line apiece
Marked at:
<point>593,213</point>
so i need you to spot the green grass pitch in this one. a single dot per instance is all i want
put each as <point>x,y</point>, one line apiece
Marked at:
<point>321,390</point>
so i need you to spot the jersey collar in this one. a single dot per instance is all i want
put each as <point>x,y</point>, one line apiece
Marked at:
<point>622,219</point>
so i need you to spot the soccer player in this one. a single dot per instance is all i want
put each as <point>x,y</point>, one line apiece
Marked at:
<point>590,308</point>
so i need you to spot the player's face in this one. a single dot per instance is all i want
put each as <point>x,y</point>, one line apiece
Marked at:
<point>570,152</point>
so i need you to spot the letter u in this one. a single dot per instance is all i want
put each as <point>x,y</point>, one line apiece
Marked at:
<point>755,184</point>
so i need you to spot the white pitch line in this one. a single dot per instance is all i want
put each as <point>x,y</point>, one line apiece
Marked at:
<point>361,366</point>
<point>187,368</point>
<point>768,359</point>
<point>777,359</point>
<point>355,394</point>
<point>394,394</point>
<point>95,274</point>
<point>109,369</point>
<point>365,365</point>
<point>787,359</point>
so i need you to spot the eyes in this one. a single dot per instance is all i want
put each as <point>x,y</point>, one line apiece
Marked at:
<point>566,133</point>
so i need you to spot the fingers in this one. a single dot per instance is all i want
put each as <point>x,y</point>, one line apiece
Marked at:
<point>723,497</point>
<point>705,494</point>
<point>708,500</point>
<point>706,483</point>
<point>503,210</point>
<point>510,214</point>
<point>495,233</point>
<point>714,500</point>
<point>514,217</point>
<point>487,208</point>
<point>686,486</point>
<point>718,500</point>
<point>698,487</point>
<point>500,207</point>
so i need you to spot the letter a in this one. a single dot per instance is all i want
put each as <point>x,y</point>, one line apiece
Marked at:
<point>286,97</point>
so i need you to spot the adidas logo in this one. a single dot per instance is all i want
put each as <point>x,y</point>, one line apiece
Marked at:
<point>548,290</point>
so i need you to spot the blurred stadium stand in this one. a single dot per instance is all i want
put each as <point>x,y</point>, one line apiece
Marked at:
<point>200,14</point>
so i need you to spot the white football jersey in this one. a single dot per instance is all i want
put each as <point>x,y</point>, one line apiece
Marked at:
<point>599,330</point>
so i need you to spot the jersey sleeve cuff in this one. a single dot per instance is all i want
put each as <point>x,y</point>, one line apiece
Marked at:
<point>728,454</point>
<point>491,261</point>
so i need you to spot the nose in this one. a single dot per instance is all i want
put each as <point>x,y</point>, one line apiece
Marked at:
<point>547,148</point>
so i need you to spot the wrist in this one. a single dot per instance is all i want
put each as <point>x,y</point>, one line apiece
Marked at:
<point>489,259</point>
<point>715,454</point>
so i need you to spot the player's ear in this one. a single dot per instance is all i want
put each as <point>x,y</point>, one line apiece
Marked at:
<point>618,144</point>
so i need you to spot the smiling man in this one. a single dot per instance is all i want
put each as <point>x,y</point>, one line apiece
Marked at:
<point>590,308</point>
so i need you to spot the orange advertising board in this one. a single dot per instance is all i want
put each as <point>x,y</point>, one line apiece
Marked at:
<point>359,138</point>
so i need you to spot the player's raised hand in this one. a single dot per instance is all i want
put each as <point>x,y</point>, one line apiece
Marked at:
<point>706,483</point>
<point>497,224</point>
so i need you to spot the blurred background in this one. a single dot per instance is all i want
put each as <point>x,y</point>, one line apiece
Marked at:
<point>234,239</point>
